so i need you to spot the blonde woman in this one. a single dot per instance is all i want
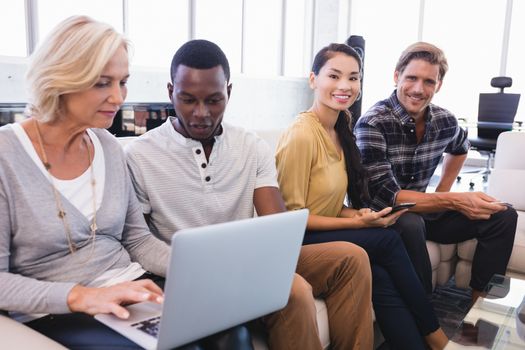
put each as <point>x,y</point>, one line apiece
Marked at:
<point>73,241</point>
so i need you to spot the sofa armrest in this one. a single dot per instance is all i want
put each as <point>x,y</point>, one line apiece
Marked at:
<point>16,335</point>
<point>507,185</point>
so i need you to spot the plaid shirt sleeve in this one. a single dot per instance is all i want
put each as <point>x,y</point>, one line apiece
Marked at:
<point>460,143</point>
<point>382,184</point>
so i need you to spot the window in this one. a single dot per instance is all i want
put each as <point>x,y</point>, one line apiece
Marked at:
<point>51,12</point>
<point>296,61</point>
<point>221,22</point>
<point>387,33</point>
<point>262,37</point>
<point>472,48</point>
<point>516,55</point>
<point>156,30</point>
<point>12,27</point>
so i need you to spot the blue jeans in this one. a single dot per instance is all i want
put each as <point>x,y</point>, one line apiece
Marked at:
<point>402,309</point>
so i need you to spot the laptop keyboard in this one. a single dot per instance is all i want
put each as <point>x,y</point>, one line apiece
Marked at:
<point>149,326</point>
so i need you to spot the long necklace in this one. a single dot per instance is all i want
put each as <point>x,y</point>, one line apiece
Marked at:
<point>60,208</point>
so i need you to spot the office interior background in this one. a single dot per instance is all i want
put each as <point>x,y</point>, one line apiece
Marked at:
<point>271,43</point>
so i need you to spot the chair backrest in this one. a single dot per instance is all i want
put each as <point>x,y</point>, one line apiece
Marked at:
<point>496,113</point>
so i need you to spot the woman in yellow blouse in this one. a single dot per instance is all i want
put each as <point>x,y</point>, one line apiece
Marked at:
<point>318,165</point>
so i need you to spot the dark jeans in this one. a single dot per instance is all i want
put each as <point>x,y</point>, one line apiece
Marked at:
<point>402,309</point>
<point>81,331</point>
<point>495,241</point>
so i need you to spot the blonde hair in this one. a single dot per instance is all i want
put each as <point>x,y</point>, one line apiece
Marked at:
<point>71,59</point>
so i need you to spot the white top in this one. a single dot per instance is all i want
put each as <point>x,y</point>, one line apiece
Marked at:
<point>180,188</point>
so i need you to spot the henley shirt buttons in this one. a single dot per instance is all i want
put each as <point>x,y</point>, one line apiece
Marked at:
<point>203,165</point>
<point>198,151</point>
<point>207,178</point>
<point>411,178</point>
<point>411,130</point>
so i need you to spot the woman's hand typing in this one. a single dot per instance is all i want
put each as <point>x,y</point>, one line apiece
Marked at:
<point>111,299</point>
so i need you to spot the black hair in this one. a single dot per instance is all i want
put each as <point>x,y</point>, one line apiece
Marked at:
<point>357,189</point>
<point>200,54</point>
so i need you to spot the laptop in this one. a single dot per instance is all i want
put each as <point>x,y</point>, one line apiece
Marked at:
<point>219,276</point>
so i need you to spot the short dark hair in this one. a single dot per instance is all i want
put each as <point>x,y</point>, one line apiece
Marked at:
<point>200,54</point>
<point>423,51</point>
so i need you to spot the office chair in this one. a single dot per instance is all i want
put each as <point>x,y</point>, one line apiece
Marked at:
<point>496,112</point>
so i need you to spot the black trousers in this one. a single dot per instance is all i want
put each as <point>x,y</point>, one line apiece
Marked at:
<point>81,331</point>
<point>495,241</point>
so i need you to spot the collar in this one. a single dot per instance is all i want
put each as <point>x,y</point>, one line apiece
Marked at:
<point>400,112</point>
<point>173,134</point>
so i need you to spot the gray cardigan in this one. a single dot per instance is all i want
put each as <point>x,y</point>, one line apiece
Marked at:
<point>37,270</point>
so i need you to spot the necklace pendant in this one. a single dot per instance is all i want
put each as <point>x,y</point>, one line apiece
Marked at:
<point>61,214</point>
<point>93,227</point>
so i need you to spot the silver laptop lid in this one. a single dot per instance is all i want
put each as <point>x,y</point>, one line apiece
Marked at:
<point>226,274</point>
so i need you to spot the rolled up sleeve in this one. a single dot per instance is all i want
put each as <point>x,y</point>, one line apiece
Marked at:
<point>382,185</point>
<point>460,143</point>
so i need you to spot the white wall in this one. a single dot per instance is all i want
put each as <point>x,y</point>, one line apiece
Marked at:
<point>262,103</point>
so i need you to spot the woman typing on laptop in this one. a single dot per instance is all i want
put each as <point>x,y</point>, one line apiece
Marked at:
<point>73,241</point>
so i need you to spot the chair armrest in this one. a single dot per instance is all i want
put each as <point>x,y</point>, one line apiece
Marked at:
<point>494,125</point>
<point>15,335</point>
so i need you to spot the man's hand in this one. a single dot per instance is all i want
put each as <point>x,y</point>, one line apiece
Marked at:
<point>477,205</point>
<point>107,300</point>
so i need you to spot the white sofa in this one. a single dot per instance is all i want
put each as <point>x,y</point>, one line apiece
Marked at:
<point>506,183</point>
<point>14,335</point>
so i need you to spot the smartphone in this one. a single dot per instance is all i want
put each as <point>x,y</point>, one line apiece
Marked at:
<point>401,206</point>
<point>504,203</point>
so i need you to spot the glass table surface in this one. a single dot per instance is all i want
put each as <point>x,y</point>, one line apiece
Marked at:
<point>492,322</point>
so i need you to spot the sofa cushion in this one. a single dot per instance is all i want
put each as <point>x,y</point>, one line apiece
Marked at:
<point>448,251</point>
<point>517,259</point>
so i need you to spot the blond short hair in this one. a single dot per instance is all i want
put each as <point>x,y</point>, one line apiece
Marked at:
<point>423,51</point>
<point>71,59</point>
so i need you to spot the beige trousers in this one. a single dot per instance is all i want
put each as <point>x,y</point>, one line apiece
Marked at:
<point>338,272</point>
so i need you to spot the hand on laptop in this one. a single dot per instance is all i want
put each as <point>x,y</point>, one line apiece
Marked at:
<point>107,300</point>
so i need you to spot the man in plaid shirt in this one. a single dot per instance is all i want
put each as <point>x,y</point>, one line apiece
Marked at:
<point>402,140</point>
